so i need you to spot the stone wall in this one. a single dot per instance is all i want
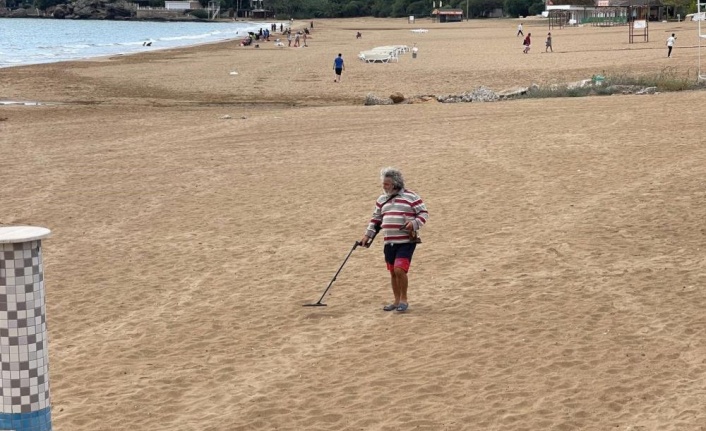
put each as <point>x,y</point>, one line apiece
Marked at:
<point>159,14</point>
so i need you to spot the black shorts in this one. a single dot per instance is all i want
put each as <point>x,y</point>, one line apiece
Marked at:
<point>399,255</point>
<point>338,71</point>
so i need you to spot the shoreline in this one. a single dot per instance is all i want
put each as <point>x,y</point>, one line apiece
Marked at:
<point>250,25</point>
<point>108,57</point>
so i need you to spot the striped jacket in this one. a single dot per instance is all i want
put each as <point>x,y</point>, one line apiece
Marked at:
<point>391,215</point>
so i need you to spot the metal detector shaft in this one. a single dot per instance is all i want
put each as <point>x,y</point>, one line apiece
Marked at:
<point>319,303</point>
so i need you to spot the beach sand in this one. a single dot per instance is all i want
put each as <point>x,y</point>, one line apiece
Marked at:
<point>560,284</point>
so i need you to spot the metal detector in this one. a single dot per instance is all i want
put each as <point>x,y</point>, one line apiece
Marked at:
<point>321,304</point>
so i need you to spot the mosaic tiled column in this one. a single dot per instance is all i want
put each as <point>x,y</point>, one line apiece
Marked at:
<point>24,355</point>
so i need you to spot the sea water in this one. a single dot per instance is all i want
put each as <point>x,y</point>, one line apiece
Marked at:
<point>26,41</point>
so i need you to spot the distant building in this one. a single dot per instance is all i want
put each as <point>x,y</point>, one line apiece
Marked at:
<point>255,11</point>
<point>586,11</point>
<point>448,15</point>
<point>182,5</point>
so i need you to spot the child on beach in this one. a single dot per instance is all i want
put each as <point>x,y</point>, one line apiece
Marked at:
<point>526,43</point>
<point>548,44</point>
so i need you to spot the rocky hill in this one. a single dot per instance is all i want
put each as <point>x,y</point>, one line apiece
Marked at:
<point>78,9</point>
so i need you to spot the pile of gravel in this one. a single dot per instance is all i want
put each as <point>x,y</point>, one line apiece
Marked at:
<point>480,94</point>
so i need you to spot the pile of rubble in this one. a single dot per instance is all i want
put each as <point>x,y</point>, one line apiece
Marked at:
<point>484,94</point>
<point>480,94</point>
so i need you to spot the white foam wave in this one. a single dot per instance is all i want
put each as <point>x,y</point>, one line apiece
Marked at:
<point>187,37</point>
<point>98,38</point>
<point>131,43</point>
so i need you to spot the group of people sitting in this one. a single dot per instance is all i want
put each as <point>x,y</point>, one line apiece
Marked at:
<point>252,36</point>
<point>264,35</point>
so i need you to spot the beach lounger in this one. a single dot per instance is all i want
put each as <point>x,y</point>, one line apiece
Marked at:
<point>375,57</point>
<point>383,54</point>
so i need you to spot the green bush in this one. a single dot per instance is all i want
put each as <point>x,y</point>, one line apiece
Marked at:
<point>199,13</point>
<point>667,80</point>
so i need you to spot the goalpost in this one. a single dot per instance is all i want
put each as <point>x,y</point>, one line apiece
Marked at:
<point>701,12</point>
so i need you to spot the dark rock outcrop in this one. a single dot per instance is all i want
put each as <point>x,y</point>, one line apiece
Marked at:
<point>397,97</point>
<point>117,10</point>
<point>60,12</point>
<point>79,9</point>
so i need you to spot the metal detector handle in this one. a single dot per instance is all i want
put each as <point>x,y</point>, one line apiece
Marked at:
<point>358,243</point>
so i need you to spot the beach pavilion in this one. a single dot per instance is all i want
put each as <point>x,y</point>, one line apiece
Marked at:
<point>448,15</point>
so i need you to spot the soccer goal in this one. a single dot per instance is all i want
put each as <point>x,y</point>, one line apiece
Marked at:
<point>700,16</point>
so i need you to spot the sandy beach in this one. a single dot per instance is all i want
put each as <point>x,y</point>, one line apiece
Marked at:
<point>560,284</point>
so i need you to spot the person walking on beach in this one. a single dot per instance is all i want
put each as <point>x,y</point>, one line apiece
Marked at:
<point>399,213</point>
<point>548,43</point>
<point>519,30</point>
<point>338,67</point>
<point>670,44</point>
<point>527,43</point>
<point>289,39</point>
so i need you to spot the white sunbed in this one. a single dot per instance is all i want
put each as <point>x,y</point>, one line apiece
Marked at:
<point>383,54</point>
<point>376,57</point>
<point>393,49</point>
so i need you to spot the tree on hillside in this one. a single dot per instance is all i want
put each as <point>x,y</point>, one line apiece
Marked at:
<point>419,8</point>
<point>524,7</point>
<point>678,7</point>
<point>381,8</point>
<point>481,8</point>
<point>46,4</point>
<point>349,10</point>
<point>399,9</point>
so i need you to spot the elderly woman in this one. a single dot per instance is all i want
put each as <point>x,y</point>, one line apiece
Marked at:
<point>399,213</point>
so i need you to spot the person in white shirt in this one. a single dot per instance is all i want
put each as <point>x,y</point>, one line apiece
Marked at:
<point>519,30</point>
<point>670,44</point>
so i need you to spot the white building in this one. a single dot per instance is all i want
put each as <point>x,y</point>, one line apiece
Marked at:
<point>182,5</point>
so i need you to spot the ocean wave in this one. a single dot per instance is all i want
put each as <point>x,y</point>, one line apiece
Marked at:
<point>43,41</point>
<point>185,37</point>
<point>133,43</point>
